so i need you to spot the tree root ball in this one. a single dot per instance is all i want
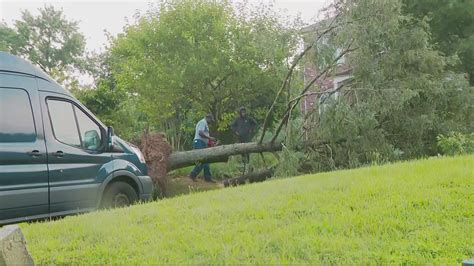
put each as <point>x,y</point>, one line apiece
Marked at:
<point>156,150</point>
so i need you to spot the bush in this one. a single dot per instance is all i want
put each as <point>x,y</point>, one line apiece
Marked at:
<point>456,143</point>
<point>348,137</point>
<point>290,162</point>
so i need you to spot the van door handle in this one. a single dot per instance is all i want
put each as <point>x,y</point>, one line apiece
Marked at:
<point>58,154</point>
<point>34,153</point>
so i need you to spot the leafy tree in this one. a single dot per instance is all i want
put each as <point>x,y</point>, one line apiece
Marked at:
<point>113,105</point>
<point>7,36</point>
<point>189,58</point>
<point>452,27</point>
<point>114,108</point>
<point>456,143</point>
<point>402,96</point>
<point>48,40</point>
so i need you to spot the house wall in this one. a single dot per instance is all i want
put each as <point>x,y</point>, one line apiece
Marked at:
<point>342,73</point>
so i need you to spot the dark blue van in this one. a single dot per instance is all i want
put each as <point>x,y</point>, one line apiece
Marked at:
<point>56,157</point>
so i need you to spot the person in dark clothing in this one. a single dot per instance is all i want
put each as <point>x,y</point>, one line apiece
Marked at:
<point>244,128</point>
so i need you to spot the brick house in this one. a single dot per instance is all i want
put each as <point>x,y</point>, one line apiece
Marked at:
<point>342,73</point>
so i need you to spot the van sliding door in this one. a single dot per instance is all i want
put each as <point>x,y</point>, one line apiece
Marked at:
<point>23,165</point>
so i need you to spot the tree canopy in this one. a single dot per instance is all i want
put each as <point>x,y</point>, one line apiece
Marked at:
<point>403,93</point>
<point>408,63</point>
<point>188,58</point>
<point>49,40</point>
<point>451,25</point>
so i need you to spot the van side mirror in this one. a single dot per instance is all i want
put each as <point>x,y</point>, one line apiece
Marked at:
<point>110,141</point>
<point>110,134</point>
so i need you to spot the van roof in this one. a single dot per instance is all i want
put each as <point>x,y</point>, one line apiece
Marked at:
<point>14,64</point>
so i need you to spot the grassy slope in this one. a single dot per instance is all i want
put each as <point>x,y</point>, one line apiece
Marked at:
<point>415,212</point>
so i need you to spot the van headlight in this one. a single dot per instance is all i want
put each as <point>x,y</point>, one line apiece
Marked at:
<point>137,151</point>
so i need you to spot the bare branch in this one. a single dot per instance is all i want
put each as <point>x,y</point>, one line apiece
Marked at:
<point>289,74</point>
<point>219,82</point>
<point>290,107</point>
<point>330,92</point>
<point>280,91</point>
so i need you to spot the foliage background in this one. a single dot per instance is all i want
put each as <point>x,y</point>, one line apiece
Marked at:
<point>412,79</point>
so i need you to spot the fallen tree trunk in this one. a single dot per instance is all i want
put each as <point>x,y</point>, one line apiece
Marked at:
<point>258,176</point>
<point>218,154</point>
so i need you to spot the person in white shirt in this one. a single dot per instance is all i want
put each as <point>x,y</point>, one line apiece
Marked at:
<point>201,139</point>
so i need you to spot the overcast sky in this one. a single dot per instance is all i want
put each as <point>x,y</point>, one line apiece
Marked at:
<point>96,16</point>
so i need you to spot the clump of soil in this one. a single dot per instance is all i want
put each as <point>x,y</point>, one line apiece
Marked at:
<point>156,150</point>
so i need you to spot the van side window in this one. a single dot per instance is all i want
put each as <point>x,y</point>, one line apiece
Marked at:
<point>64,122</point>
<point>89,131</point>
<point>73,127</point>
<point>16,116</point>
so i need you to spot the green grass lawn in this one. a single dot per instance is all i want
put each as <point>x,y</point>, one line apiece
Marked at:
<point>416,212</point>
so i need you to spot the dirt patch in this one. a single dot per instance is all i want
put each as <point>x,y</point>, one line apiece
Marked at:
<point>181,185</point>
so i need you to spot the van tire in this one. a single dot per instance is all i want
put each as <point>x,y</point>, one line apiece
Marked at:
<point>119,194</point>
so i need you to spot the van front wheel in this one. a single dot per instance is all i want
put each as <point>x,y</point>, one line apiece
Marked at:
<point>119,194</point>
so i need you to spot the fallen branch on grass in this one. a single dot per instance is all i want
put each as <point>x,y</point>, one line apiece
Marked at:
<point>258,176</point>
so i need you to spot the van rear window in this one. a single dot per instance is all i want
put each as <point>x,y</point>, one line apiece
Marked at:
<point>16,116</point>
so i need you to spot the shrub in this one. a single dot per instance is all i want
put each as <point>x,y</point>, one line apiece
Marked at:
<point>456,143</point>
<point>290,162</point>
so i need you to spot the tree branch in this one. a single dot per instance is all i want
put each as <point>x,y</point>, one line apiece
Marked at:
<point>307,87</point>
<point>289,74</point>
<point>220,82</point>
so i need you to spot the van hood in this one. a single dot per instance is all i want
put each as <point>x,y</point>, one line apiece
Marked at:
<point>131,153</point>
<point>124,145</point>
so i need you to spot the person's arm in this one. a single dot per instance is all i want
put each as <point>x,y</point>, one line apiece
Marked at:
<point>202,131</point>
<point>205,135</point>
